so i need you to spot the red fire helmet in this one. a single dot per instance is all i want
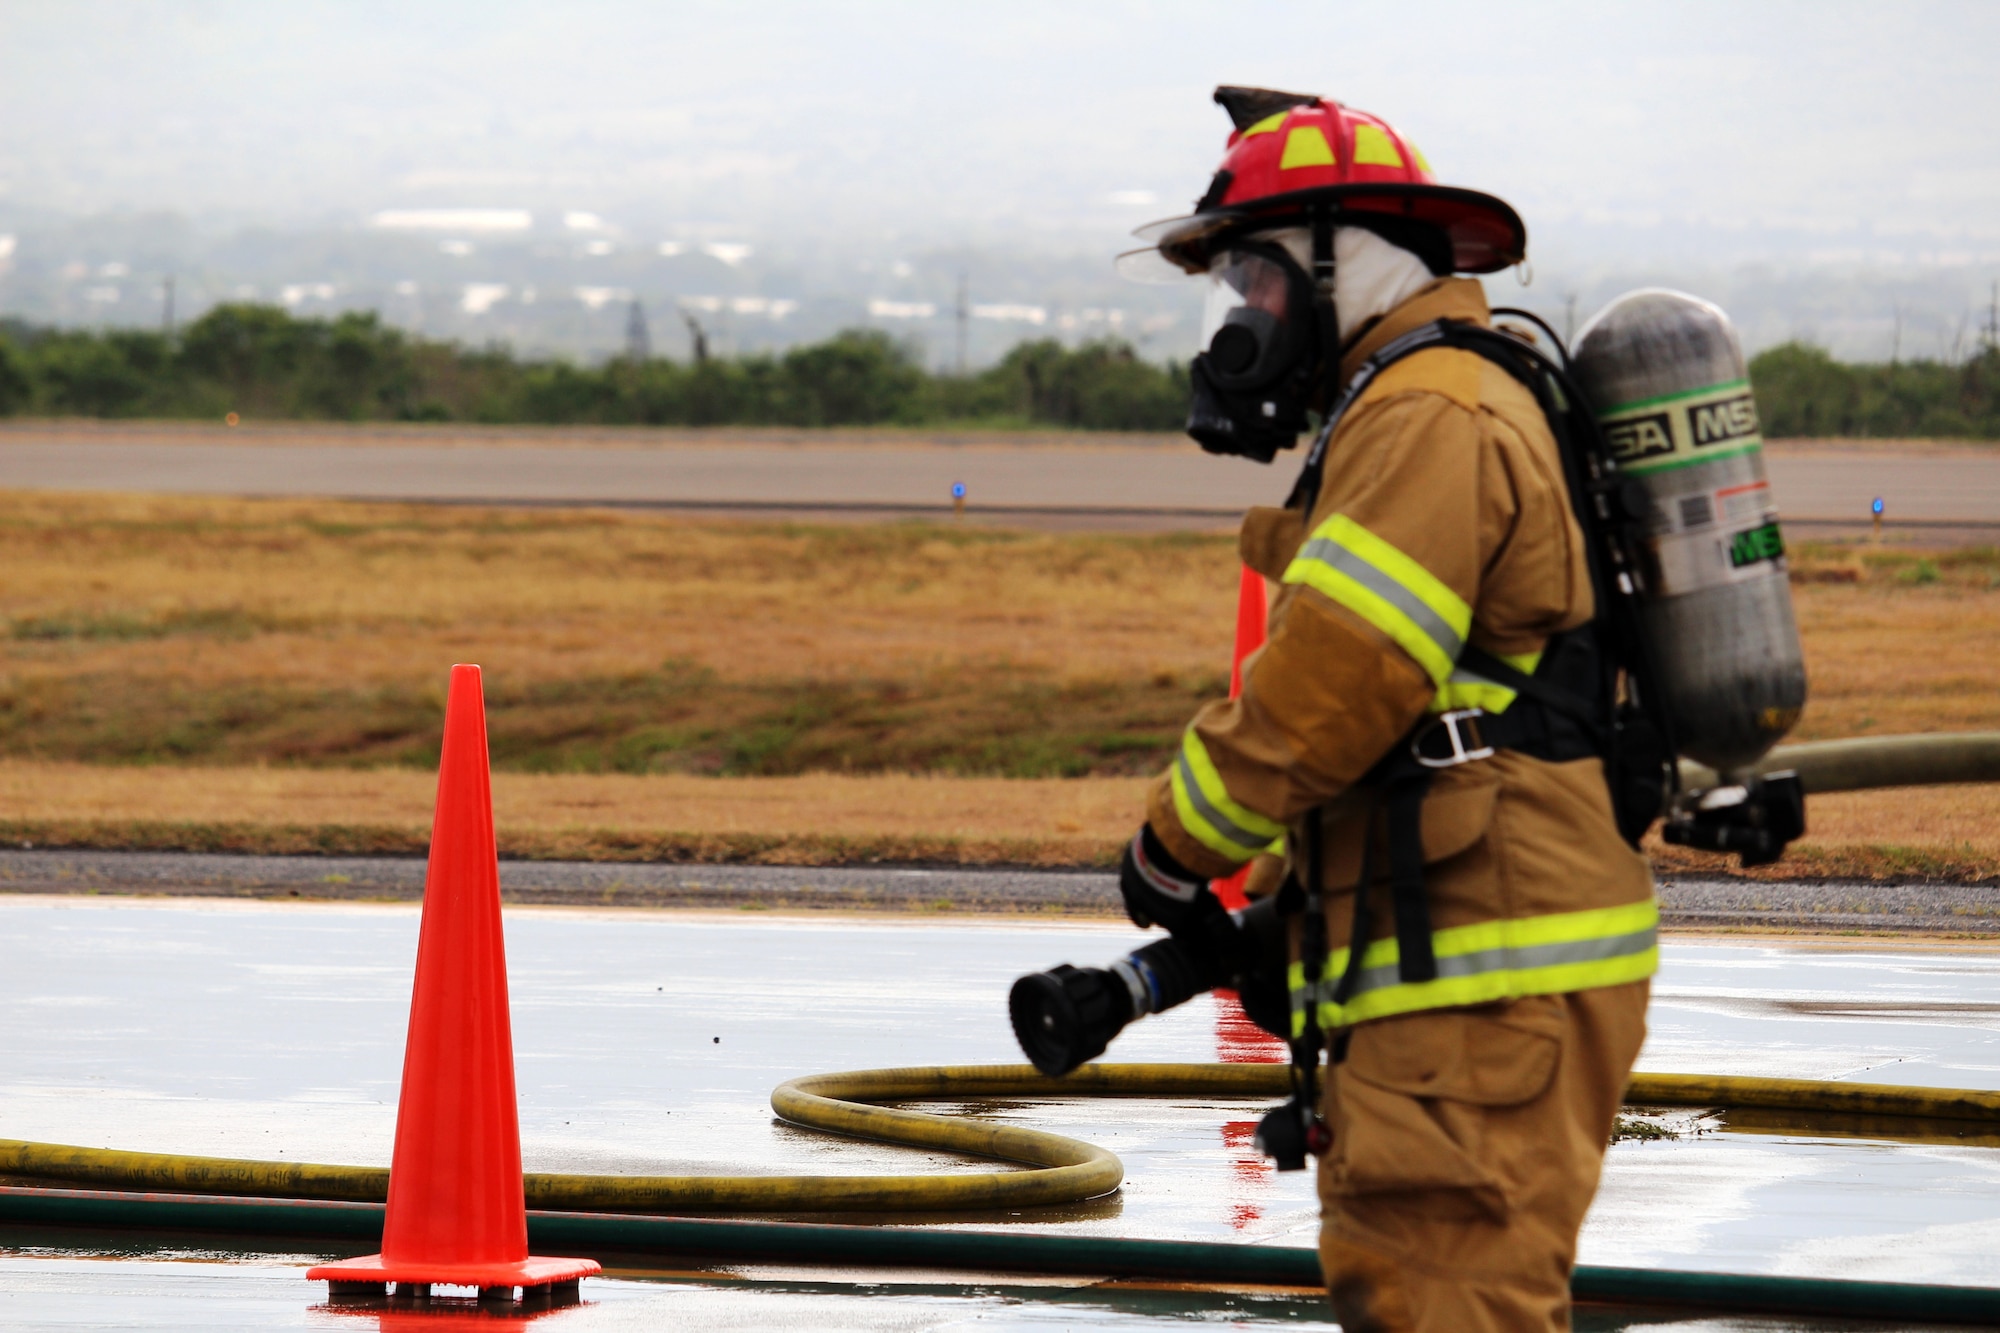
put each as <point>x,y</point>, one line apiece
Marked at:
<point>1292,152</point>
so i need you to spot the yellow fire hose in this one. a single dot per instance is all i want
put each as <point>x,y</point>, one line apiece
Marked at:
<point>1061,1170</point>
<point>1876,761</point>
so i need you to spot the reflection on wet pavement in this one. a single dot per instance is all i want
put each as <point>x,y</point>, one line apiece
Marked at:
<point>67,1293</point>
<point>1874,1015</point>
<point>1761,1197</point>
<point>650,1042</point>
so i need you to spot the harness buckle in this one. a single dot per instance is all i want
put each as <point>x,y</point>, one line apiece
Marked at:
<point>1461,752</point>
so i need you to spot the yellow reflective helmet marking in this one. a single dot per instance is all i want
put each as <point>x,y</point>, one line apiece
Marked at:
<point>1306,146</point>
<point>1423,163</point>
<point>1492,960</point>
<point>1374,148</point>
<point>1267,125</point>
<point>1207,811</point>
<point>1350,565</point>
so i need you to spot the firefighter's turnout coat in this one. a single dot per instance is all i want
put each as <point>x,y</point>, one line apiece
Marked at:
<point>1442,520</point>
<point>1471,1111</point>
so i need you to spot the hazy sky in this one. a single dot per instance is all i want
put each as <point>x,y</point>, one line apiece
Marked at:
<point>1841,127</point>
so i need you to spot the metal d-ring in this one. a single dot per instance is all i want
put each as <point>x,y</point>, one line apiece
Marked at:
<point>1461,752</point>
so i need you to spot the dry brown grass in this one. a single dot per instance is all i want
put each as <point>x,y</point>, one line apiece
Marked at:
<point>890,805</point>
<point>1898,641</point>
<point>1947,832</point>
<point>330,594</point>
<point>814,818</point>
<point>231,632</point>
<point>210,595</point>
<point>149,629</point>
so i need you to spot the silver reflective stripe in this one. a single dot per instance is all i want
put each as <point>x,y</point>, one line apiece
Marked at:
<point>1503,959</point>
<point>1135,985</point>
<point>1336,556</point>
<point>1224,825</point>
<point>1181,891</point>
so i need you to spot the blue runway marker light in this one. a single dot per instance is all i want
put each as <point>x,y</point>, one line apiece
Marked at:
<point>1876,508</point>
<point>958,493</point>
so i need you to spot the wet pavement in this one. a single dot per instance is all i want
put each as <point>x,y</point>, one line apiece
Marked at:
<point>649,1042</point>
<point>50,1293</point>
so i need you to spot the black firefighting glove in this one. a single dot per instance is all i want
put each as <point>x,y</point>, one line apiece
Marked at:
<point>1160,891</point>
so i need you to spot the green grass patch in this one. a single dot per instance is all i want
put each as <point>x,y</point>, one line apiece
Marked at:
<point>679,718</point>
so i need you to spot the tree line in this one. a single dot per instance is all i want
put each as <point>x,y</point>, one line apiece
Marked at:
<point>261,362</point>
<point>1802,391</point>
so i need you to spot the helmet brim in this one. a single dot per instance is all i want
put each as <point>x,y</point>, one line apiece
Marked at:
<point>1151,266</point>
<point>1487,235</point>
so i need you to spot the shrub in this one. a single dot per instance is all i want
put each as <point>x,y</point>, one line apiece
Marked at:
<point>15,387</point>
<point>1803,391</point>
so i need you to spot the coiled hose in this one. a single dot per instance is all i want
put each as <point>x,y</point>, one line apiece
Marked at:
<point>1060,1169</point>
<point>335,1203</point>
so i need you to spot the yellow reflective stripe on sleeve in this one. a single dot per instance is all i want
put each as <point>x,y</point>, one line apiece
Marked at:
<point>1206,810</point>
<point>1492,960</point>
<point>1348,564</point>
<point>1466,688</point>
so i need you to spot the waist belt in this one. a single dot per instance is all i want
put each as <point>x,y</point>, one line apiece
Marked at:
<point>1544,722</point>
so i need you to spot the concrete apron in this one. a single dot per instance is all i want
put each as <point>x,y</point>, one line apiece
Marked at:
<point>650,1041</point>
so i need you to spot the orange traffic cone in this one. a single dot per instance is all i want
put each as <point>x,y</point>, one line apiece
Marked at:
<point>456,1213</point>
<point>1251,610</point>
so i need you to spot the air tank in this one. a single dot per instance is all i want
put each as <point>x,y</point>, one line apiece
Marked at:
<point>1666,376</point>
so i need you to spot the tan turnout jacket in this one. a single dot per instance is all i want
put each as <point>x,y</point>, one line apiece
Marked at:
<point>1442,519</point>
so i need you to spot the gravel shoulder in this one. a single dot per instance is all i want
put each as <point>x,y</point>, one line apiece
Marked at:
<point>1705,904</point>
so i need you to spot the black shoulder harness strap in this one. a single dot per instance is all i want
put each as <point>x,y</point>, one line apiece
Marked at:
<point>1590,695</point>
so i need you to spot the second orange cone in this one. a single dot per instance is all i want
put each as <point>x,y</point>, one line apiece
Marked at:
<point>456,1212</point>
<point>1252,616</point>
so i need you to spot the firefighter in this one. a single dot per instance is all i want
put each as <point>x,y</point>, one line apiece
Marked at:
<point>1480,1041</point>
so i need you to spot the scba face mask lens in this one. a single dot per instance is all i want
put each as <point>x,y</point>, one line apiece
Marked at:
<point>1252,381</point>
<point>1249,324</point>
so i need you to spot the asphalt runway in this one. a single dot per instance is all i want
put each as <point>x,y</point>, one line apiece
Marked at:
<point>1118,481</point>
<point>1691,904</point>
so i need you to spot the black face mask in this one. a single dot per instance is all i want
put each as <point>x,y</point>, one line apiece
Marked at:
<point>1253,384</point>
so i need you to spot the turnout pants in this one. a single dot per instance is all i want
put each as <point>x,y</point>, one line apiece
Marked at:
<point>1466,1149</point>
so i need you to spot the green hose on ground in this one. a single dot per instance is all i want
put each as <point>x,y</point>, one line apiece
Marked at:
<point>592,1215</point>
<point>673,1244</point>
<point>1060,1169</point>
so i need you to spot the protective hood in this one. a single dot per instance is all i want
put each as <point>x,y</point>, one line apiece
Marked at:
<point>1371,277</point>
